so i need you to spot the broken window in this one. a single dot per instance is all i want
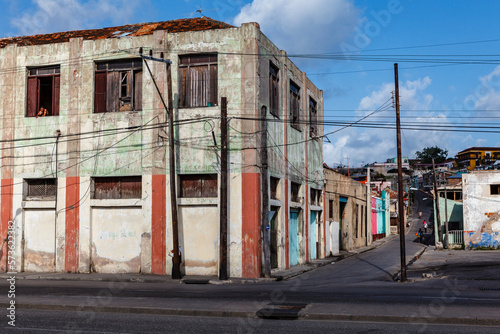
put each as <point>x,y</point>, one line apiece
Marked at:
<point>117,187</point>
<point>295,192</point>
<point>198,80</point>
<point>118,86</point>
<point>330,208</point>
<point>274,185</point>
<point>313,118</point>
<point>315,197</point>
<point>495,189</point>
<point>43,91</point>
<point>40,189</point>
<point>274,90</point>
<point>294,105</point>
<point>198,185</point>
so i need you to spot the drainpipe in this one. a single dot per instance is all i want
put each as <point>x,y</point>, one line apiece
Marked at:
<point>58,134</point>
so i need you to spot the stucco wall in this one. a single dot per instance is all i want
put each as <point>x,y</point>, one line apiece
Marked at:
<point>113,236</point>
<point>337,186</point>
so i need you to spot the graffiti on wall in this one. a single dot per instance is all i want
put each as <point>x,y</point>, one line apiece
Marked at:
<point>489,233</point>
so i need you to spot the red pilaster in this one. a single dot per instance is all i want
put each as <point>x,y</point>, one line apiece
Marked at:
<point>6,216</point>
<point>251,206</point>
<point>72,224</point>
<point>159,225</point>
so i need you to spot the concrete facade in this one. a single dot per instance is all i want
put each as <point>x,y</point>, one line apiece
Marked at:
<point>481,209</point>
<point>346,204</point>
<point>76,232</point>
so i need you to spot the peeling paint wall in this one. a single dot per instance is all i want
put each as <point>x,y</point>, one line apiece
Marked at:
<point>339,186</point>
<point>481,209</point>
<point>81,234</point>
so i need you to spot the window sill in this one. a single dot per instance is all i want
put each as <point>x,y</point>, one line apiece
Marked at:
<point>38,204</point>
<point>41,116</point>
<point>128,202</point>
<point>315,208</point>
<point>275,202</point>
<point>215,107</point>
<point>118,112</point>
<point>198,201</point>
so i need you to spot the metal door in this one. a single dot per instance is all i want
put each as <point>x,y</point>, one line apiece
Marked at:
<point>294,237</point>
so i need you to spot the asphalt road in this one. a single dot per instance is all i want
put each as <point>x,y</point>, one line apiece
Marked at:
<point>50,322</point>
<point>361,284</point>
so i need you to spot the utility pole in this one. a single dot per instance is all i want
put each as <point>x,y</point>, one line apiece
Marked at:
<point>401,212</point>
<point>176,270</point>
<point>348,166</point>
<point>265,226</point>
<point>446,210</point>
<point>368,206</point>
<point>223,192</point>
<point>436,203</point>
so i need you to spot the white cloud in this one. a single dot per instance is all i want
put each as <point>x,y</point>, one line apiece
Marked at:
<point>374,144</point>
<point>299,26</point>
<point>63,15</point>
<point>486,96</point>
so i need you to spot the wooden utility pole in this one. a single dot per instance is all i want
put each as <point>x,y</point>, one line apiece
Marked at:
<point>401,211</point>
<point>446,211</point>
<point>265,225</point>
<point>176,269</point>
<point>436,203</point>
<point>223,275</point>
<point>368,207</point>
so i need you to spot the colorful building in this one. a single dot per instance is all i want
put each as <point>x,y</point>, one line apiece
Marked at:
<point>475,156</point>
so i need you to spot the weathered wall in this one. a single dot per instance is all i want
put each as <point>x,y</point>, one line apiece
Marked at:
<point>337,186</point>
<point>81,234</point>
<point>481,209</point>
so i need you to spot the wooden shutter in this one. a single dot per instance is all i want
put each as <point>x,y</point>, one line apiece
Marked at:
<point>213,85</point>
<point>112,91</point>
<point>183,87</point>
<point>55,95</point>
<point>138,90</point>
<point>100,92</point>
<point>209,185</point>
<point>32,97</point>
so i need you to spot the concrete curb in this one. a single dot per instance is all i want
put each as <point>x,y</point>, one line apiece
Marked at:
<point>135,310</point>
<point>403,319</point>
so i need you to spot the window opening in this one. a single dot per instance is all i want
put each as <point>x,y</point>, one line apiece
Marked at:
<point>198,80</point>
<point>43,92</point>
<point>118,86</point>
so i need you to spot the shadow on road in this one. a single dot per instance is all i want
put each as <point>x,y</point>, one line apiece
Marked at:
<point>379,268</point>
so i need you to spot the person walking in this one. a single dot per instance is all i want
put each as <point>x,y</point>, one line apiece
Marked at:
<point>419,235</point>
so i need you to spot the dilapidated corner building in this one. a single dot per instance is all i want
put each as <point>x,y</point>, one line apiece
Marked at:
<point>85,153</point>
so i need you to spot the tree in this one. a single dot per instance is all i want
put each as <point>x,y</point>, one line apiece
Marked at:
<point>427,154</point>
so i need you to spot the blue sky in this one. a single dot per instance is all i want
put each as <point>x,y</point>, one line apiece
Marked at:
<point>432,93</point>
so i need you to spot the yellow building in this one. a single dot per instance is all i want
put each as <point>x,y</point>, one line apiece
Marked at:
<point>475,156</point>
